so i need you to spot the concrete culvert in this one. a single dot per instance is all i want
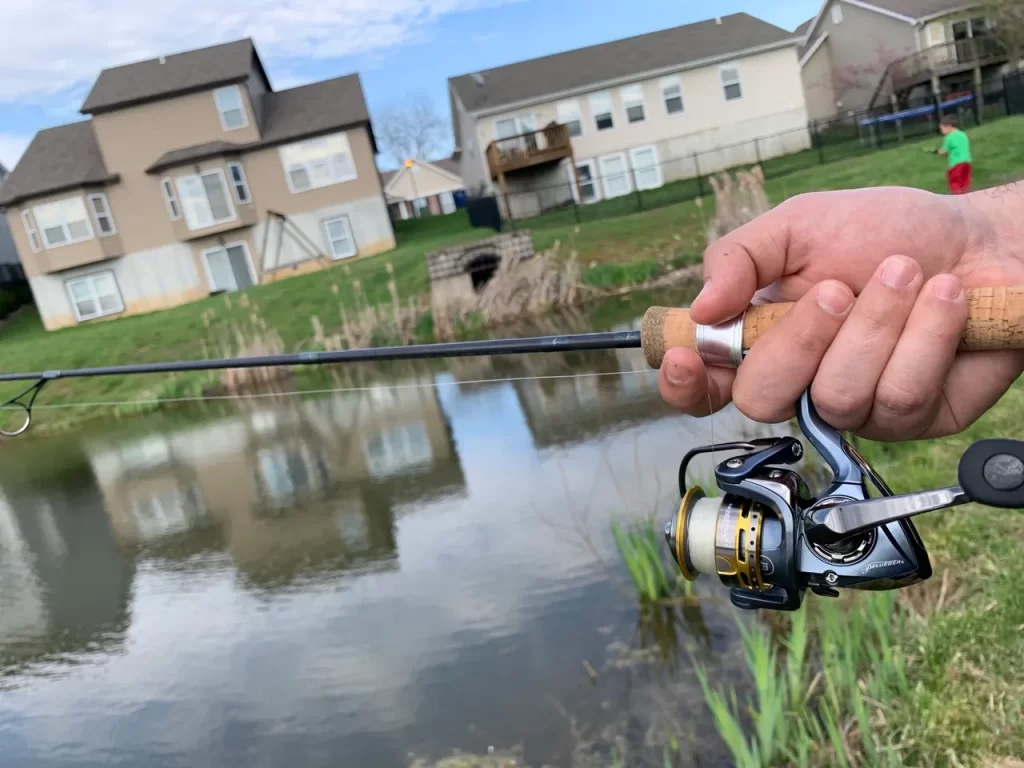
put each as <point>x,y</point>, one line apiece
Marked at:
<point>481,269</point>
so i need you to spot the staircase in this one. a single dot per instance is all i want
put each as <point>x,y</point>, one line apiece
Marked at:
<point>283,228</point>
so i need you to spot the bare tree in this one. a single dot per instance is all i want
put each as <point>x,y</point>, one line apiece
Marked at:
<point>850,80</point>
<point>411,129</point>
<point>1006,25</point>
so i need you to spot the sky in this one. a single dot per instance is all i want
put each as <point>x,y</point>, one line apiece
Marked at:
<point>52,50</point>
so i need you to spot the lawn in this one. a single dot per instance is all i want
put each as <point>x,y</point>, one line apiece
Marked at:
<point>616,249</point>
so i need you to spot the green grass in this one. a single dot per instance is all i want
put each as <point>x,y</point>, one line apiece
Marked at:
<point>641,549</point>
<point>620,250</point>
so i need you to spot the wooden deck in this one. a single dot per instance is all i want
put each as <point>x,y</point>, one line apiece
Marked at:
<point>946,59</point>
<point>526,150</point>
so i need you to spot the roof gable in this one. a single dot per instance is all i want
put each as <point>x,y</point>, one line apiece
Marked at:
<point>60,158</point>
<point>534,79</point>
<point>174,75</point>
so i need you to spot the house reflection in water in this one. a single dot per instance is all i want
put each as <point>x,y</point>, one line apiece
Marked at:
<point>573,409</point>
<point>294,489</point>
<point>64,587</point>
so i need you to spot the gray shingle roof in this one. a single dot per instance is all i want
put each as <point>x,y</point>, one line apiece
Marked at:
<point>308,110</point>
<point>583,67</point>
<point>313,108</point>
<point>916,9</point>
<point>180,73</point>
<point>58,158</point>
<point>449,164</point>
<point>197,152</point>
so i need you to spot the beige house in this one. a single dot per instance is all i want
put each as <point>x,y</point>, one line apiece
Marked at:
<point>857,54</point>
<point>191,177</point>
<point>420,188</point>
<point>601,122</point>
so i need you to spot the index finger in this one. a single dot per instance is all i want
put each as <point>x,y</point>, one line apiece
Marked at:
<point>736,266</point>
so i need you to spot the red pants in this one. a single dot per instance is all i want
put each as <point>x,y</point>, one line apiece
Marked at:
<point>959,177</point>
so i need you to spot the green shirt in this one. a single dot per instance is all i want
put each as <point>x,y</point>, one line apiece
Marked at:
<point>958,147</point>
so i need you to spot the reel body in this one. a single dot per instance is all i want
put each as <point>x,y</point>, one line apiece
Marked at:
<point>769,540</point>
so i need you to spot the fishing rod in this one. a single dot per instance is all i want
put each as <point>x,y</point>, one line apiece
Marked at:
<point>766,537</point>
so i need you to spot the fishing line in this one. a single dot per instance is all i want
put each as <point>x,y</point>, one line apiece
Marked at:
<point>295,393</point>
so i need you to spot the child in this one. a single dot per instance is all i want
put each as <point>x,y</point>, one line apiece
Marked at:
<point>957,147</point>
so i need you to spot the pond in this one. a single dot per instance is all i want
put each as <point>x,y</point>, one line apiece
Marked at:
<point>375,576</point>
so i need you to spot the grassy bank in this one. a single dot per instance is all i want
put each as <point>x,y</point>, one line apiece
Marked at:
<point>624,250</point>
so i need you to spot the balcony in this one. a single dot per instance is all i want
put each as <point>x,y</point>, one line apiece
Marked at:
<point>945,59</point>
<point>245,216</point>
<point>529,149</point>
<point>73,255</point>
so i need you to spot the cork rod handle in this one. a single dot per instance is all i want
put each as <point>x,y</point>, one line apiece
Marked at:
<point>995,321</point>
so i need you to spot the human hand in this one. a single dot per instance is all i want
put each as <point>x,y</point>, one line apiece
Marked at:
<point>884,366</point>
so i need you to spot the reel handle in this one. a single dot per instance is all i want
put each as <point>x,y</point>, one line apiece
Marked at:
<point>991,472</point>
<point>995,321</point>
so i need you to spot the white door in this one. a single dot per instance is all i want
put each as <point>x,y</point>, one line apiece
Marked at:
<point>228,268</point>
<point>447,202</point>
<point>646,170</point>
<point>586,190</point>
<point>615,175</point>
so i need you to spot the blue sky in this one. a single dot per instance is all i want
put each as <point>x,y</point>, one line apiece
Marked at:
<point>400,47</point>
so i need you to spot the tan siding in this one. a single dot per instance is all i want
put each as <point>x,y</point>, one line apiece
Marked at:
<point>817,77</point>
<point>861,45</point>
<point>771,86</point>
<point>270,187</point>
<point>133,139</point>
<point>64,256</point>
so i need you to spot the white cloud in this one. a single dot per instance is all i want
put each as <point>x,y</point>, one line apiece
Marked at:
<point>62,44</point>
<point>11,147</point>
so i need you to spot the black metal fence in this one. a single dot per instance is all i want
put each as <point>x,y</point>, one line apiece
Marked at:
<point>631,187</point>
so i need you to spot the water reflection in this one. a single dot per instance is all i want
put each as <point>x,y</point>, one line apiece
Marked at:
<point>404,568</point>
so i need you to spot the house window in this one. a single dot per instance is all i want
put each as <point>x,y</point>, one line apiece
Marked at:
<point>229,268</point>
<point>231,108</point>
<point>30,230</point>
<point>238,183</point>
<point>397,449</point>
<point>731,82</point>
<point>569,116</point>
<point>339,237</point>
<point>101,215</point>
<point>95,295</point>
<point>63,222</point>
<point>672,95</point>
<point>510,127</point>
<point>615,175</point>
<point>586,181</point>
<point>646,170</point>
<point>447,202</point>
<point>633,103</point>
<point>837,13</point>
<point>170,199</point>
<point>204,199</point>
<point>318,162</point>
<point>601,108</point>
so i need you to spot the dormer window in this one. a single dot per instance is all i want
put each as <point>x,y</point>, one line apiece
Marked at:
<point>231,108</point>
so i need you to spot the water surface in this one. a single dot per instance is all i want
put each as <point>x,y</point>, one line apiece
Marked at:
<point>360,578</point>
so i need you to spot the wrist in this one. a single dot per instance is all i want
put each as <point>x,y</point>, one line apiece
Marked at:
<point>993,220</point>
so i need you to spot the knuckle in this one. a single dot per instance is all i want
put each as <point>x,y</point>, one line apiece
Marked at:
<point>900,402</point>
<point>840,402</point>
<point>756,403</point>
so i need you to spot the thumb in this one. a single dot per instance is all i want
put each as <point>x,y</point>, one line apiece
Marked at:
<point>738,265</point>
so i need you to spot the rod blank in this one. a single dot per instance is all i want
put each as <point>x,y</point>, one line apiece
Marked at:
<point>566,343</point>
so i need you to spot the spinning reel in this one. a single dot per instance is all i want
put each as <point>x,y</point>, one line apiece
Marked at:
<point>769,540</point>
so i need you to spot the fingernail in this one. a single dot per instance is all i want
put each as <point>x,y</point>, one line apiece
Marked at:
<point>703,291</point>
<point>835,298</point>
<point>898,272</point>
<point>947,288</point>
<point>677,374</point>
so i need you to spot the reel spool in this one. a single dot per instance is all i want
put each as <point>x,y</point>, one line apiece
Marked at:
<point>769,540</point>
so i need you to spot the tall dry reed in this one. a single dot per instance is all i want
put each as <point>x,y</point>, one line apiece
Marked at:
<point>737,201</point>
